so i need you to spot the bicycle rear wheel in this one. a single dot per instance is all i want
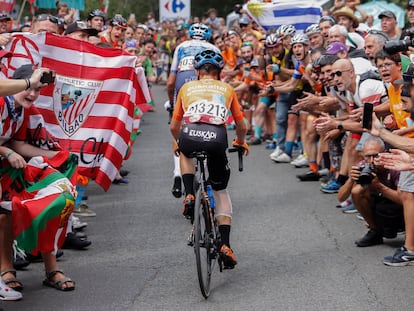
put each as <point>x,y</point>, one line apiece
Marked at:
<point>203,244</point>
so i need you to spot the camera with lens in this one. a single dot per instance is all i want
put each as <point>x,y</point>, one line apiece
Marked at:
<point>396,46</point>
<point>366,176</point>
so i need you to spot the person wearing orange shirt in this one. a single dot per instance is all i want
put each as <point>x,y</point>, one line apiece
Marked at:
<point>389,67</point>
<point>202,106</point>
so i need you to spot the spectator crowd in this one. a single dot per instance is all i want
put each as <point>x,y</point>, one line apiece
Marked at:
<point>304,94</point>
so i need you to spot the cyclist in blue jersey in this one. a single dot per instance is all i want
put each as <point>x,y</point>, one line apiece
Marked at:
<point>182,71</point>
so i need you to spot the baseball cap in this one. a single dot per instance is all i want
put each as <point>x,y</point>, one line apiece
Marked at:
<point>410,3</point>
<point>336,47</point>
<point>389,14</point>
<point>244,20</point>
<point>23,72</point>
<point>408,76</point>
<point>4,16</point>
<point>81,26</point>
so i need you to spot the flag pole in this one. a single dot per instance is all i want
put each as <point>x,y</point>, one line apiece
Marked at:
<point>21,11</point>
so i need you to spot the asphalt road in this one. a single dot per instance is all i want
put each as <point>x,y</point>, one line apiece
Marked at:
<point>295,249</point>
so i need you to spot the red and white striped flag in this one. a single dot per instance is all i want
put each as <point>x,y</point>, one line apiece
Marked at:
<point>90,107</point>
<point>7,5</point>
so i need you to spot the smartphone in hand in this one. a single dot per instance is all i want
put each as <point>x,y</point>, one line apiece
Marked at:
<point>48,77</point>
<point>367,116</point>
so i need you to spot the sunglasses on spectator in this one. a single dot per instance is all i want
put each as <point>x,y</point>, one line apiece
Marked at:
<point>243,25</point>
<point>338,73</point>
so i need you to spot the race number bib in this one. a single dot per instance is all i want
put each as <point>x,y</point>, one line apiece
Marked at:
<point>187,63</point>
<point>206,112</point>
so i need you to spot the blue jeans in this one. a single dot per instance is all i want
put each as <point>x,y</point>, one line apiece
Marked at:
<point>282,108</point>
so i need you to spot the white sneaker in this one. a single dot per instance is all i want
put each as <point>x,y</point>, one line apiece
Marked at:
<point>276,153</point>
<point>300,161</point>
<point>8,294</point>
<point>283,158</point>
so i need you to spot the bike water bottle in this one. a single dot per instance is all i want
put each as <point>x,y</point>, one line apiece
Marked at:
<point>210,195</point>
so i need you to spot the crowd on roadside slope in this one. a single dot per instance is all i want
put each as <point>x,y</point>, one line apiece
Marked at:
<point>298,90</point>
<point>309,91</point>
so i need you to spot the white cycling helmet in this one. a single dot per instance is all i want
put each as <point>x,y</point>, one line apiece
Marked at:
<point>300,38</point>
<point>314,28</point>
<point>272,40</point>
<point>286,30</point>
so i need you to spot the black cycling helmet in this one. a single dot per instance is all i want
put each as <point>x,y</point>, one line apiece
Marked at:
<point>208,57</point>
<point>95,13</point>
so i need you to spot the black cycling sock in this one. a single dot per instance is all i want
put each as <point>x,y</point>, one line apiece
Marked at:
<point>225,234</point>
<point>326,160</point>
<point>188,181</point>
<point>342,179</point>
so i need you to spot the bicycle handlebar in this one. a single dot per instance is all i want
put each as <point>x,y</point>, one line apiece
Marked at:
<point>240,152</point>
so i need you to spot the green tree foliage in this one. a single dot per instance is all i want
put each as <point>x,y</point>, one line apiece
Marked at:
<point>401,3</point>
<point>141,7</point>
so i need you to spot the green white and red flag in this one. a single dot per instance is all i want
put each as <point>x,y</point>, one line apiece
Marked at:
<point>41,199</point>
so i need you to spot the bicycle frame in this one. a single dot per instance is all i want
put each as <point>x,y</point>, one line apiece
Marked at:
<point>206,233</point>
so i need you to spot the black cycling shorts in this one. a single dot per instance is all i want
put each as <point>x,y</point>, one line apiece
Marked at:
<point>213,140</point>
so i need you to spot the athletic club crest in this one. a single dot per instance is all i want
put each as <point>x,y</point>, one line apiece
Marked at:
<point>73,100</point>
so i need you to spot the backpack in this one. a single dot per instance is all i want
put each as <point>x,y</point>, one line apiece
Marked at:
<point>373,75</point>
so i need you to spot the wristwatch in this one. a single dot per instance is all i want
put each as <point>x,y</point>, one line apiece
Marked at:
<point>340,126</point>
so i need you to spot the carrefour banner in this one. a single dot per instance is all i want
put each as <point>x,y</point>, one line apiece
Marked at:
<point>173,9</point>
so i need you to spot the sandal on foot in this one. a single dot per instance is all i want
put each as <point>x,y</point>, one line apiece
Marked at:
<point>59,283</point>
<point>13,279</point>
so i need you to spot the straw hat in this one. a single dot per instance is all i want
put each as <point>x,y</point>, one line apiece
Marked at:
<point>346,11</point>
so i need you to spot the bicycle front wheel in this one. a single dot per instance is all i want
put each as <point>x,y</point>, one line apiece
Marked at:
<point>202,244</point>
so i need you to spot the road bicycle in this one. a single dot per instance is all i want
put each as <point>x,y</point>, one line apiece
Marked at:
<point>205,235</point>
